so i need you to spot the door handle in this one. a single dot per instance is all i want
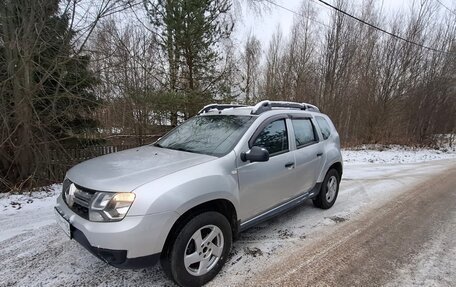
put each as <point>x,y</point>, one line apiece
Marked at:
<point>319,154</point>
<point>289,165</point>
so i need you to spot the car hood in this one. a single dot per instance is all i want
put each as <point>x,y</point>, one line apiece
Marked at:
<point>129,169</point>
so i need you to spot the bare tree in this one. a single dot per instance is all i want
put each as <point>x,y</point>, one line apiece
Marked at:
<point>250,69</point>
<point>376,87</point>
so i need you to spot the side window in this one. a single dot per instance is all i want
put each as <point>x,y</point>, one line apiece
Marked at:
<point>304,132</point>
<point>324,127</point>
<point>273,137</point>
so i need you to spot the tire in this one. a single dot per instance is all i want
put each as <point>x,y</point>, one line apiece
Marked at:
<point>210,258</point>
<point>328,192</point>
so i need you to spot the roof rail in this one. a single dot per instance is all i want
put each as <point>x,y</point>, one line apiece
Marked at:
<point>311,107</point>
<point>219,107</point>
<point>264,106</point>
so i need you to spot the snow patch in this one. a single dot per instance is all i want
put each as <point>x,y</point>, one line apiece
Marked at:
<point>395,154</point>
<point>21,213</point>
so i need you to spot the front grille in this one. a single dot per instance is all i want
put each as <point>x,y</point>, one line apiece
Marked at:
<point>82,198</point>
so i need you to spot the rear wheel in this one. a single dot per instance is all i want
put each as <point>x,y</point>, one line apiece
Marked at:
<point>199,250</point>
<point>329,190</point>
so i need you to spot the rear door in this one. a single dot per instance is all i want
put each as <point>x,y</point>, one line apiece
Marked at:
<point>308,153</point>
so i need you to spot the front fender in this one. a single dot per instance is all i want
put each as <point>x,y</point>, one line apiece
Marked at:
<point>186,196</point>
<point>187,188</point>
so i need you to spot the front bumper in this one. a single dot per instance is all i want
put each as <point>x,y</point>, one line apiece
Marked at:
<point>116,258</point>
<point>134,242</point>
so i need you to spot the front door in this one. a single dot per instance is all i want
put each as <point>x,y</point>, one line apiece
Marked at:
<point>263,185</point>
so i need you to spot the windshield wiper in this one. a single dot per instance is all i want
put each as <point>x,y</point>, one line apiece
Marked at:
<point>171,147</point>
<point>181,149</point>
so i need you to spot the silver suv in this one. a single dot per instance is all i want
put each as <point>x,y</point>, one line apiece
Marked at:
<point>183,199</point>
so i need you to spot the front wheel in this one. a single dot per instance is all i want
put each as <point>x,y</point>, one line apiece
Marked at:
<point>329,190</point>
<point>199,250</point>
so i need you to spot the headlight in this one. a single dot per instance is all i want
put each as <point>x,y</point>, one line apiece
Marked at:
<point>110,206</point>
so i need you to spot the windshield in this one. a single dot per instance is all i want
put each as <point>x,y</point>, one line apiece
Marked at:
<point>212,135</point>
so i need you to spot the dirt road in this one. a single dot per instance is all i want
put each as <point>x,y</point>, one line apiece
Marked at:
<point>408,241</point>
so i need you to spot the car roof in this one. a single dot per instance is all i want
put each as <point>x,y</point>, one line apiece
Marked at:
<point>239,111</point>
<point>247,111</point>
<point>259,108</point>
<point>266,106</point>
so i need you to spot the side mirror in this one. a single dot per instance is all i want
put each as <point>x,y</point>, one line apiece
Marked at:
<point>256,153</point>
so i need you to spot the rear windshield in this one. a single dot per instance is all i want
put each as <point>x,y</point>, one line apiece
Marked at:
<point>212,135</point>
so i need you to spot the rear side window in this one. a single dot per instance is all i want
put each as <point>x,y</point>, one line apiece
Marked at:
<point>304,132</point>
<point>324,127</point>
<point>273,137</point>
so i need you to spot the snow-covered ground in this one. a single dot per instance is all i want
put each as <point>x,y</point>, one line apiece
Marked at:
<point>34,252</point>
<point>396,154</point>
<point>26,212</point>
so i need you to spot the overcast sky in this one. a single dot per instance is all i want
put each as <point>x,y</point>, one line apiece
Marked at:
<point>264,26</point>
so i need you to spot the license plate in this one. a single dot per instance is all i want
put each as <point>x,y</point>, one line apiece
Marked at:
<point>62,222</point>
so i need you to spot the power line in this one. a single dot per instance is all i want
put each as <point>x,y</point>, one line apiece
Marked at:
<point>296,13</point>
<point>383,30</point>
<point>446,7</point>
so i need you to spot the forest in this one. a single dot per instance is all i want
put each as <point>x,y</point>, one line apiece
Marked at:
<point>80,78</point>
